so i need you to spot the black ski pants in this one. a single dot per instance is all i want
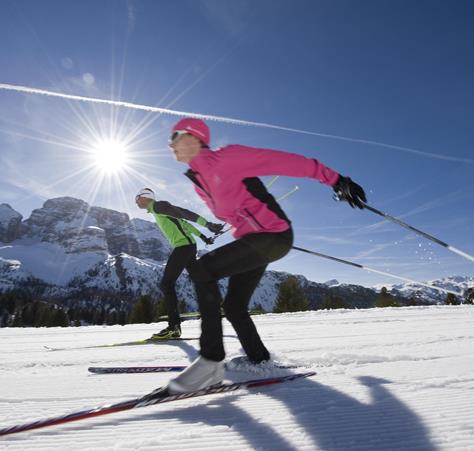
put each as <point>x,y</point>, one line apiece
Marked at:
<point>244,260</point>
<point>181,257</point>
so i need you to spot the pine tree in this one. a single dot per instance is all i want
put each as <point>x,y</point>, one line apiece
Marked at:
<point>88,315</point>
<point>4,320</point>
<point>331,302</point>
<point>143,311</point>
<point>98,316</point>
<point>28,314</point>
<point>412,301</point>
<point>59,318</point>
<point>451,299</point>
<point>161,309</point>
<point>469,296</point>
<point>291,297</point>
<point>257,310</point>
<point>9,303</point>
<point>111,317</point>
<point>72,314</point>
<point>385,299</point>
<point>17,321</point>
<point>122,317</point>
<point>43,314</point>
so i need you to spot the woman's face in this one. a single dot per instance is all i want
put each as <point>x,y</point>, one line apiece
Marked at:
<point>185,147</point>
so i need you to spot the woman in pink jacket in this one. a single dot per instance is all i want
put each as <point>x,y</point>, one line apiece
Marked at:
<point>227,181</point>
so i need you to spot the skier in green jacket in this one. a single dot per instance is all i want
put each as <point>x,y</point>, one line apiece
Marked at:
<point>173,223</point>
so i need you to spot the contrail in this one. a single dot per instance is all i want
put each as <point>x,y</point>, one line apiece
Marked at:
<point>228,120</point>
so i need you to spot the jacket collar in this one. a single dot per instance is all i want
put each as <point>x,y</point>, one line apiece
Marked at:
<point>149,207</point>
<point>197,162</point>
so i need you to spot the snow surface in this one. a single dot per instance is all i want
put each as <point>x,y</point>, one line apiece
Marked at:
<point>388,379</point>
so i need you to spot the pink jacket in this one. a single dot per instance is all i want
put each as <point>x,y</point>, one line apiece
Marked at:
<point>226,180</point>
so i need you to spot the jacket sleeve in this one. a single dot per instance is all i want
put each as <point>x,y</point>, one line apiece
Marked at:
<point>252,162</point>
<point>165,208</point>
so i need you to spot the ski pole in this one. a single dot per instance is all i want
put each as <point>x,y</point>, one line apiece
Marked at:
<point>419,232</point>
<point>289,193</point>
<point>357,265</point>
<point>272,181</point>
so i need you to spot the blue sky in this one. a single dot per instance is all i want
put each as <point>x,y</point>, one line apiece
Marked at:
<point>396,72</point>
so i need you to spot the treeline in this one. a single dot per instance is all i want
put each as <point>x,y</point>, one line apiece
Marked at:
<point>452,299</point>
<point>292,298</point>
<point>21,311</point>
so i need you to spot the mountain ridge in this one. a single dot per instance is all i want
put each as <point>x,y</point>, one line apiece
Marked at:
<point>68,249</point>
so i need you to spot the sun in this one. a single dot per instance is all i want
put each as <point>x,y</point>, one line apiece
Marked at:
<point>110,156</point>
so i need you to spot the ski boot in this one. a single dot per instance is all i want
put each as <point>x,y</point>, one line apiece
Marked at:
<point>202,373</point>
<point>169,333</point>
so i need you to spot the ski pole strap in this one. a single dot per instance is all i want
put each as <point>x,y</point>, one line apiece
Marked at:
<point>405,225</point>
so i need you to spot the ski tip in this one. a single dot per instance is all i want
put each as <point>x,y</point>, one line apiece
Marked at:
<point>280,379</point>
<point>135,369</point>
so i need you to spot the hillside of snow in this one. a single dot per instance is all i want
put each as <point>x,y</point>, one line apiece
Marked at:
<point>387,379</point>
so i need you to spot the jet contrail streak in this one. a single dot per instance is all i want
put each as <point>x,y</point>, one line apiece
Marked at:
<point>228,120</point>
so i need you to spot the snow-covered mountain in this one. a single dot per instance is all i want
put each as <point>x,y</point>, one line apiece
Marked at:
<point>67,242</point>
<point>68,249</point>
<point>412,290</point>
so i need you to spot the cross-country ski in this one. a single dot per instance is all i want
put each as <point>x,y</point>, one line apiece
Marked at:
<point>166,368</point>
<point>133,369</point>
<point>147,341</point>
<point>148,400</point>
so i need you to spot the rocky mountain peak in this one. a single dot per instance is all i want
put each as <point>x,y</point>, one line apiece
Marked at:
<point>77,226</point>
<point>10,223</point>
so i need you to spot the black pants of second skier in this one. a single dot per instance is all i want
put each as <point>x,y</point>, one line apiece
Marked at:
<point>244,260</point>
<point>181,257</point>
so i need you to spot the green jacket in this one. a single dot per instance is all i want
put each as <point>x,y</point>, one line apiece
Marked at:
<point>172,222</point>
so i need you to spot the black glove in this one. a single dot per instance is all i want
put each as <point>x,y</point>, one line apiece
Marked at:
<point>350,191</point>
<point>214,228</point>
<point>206,239</point>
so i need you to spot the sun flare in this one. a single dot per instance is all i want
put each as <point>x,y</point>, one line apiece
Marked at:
<point>110,156</point>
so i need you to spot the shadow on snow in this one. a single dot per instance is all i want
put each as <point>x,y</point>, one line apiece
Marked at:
<point>329,419</point>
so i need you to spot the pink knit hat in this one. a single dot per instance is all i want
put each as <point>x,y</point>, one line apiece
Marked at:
<point>194,127</point>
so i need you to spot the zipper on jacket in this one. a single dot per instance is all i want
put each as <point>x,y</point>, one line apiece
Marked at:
<point>254,218</point>
<point>249,220</point>
<point>178,225</point>
<point>192,175</point>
